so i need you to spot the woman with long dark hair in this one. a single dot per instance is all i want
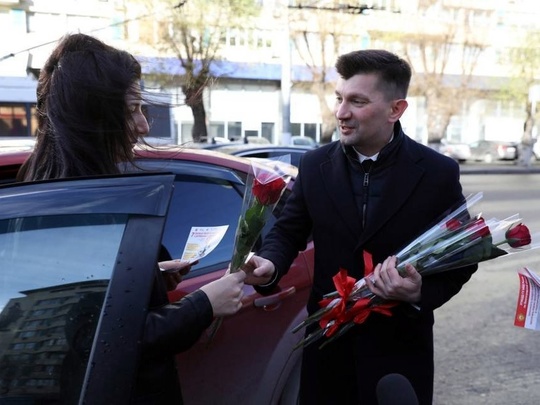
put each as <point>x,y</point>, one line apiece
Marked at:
<point>89,118</point>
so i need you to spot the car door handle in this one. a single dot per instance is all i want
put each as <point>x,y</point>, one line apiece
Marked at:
<point>271,302</point>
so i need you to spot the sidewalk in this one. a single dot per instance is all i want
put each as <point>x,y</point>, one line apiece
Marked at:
<point>498,168</point>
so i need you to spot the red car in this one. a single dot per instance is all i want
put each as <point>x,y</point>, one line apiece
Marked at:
<point>251,358</point>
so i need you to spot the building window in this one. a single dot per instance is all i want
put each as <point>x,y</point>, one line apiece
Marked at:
<point>296,129</point>
<point>217,129</point>
<point>14,119</point>
<point>267,130</point>
<point>234,130</point>
<point>159,119</point>
<point>310,130</point>
<point>185,131</point>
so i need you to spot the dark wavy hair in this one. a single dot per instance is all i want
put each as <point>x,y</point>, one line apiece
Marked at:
<point>84,126</point>
<point>394,73</point>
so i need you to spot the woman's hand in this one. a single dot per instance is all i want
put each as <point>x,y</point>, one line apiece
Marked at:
<point>173,271</point>
<point>225,294</point>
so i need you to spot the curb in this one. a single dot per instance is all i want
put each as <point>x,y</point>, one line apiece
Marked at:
<point>499,170</point>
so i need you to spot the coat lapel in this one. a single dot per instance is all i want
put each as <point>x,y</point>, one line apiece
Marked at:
<point>402,181</point>
<point>335,177</point>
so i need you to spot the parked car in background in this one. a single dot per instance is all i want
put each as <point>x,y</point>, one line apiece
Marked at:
<point>303,141</point>
<point>77,259</point>
<point>217,140</point>
<point>535,150</point>
<point>491,151</point>
<point>456,150</point>
<point>266,151</point>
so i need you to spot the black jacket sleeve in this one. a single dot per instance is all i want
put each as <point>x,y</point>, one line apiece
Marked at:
<point>177,326</point>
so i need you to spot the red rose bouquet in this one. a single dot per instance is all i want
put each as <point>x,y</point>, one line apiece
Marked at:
<point>264,187</point>
<point>456,241</point>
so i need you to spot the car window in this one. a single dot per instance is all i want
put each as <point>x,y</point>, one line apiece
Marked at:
<point>55,271</point>
<point>206,200</point>
<point>202,201</point>
<point>204,195</point>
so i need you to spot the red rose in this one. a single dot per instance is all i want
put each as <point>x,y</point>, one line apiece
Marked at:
<point>518,236</point>
<point>268,193</point>
<point>453,224</point>
<point>481,230</point>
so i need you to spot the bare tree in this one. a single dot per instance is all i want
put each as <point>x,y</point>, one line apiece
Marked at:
<point>525,62</point>
<point>319,34</point>
<point>443,96</point>
<point>443,47</point>
<point>194,32</point>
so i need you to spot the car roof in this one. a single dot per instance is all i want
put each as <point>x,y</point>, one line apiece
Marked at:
<point>11,157</point>
<point>176,152</point>
<point>213,156</point>
<point>238,150</point>
<point>291,154</point>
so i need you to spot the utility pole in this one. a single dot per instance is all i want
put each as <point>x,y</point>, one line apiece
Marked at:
<point>286,81</point>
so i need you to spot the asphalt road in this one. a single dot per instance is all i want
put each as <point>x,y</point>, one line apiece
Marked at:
<point>480,356</point>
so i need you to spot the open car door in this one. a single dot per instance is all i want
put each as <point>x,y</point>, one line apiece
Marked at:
<point>77,261</point>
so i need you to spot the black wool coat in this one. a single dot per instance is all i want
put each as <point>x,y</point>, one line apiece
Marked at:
<point>411,187</point>
<point>171,328</point>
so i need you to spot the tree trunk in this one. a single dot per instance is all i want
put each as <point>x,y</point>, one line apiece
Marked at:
<point>527,141</point>
<point>194,99</point>
<point>199,131</point>
<point>328,128</point>
<point>327,115</point>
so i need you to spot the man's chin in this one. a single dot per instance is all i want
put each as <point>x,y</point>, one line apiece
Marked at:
<point>347,140</point>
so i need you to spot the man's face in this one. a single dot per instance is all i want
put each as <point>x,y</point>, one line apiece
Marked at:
<point>364,116</point>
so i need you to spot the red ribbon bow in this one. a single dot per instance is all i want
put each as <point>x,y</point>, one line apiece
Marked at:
<point>343,312</point>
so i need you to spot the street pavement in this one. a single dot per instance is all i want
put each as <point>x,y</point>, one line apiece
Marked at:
<point>503,167</point>
<point>481,358</point>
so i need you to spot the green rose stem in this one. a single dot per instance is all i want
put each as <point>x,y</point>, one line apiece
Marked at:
<point>264,193</point>
<point>249,229</point>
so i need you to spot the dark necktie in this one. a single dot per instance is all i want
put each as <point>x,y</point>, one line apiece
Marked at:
<point>366,165</point>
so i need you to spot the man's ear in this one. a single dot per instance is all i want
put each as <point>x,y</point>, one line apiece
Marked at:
<point>398,108</point>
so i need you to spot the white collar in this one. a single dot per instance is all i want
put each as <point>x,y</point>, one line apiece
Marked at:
<point>373,157</point>
<point>364,157</point>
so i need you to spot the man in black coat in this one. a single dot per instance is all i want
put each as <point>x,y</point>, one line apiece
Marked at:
<point>350,209</point>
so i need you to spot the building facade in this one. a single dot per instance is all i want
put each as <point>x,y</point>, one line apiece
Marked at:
<point>261,87</point>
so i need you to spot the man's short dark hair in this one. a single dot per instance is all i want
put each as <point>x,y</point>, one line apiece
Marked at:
<point>394,73</point>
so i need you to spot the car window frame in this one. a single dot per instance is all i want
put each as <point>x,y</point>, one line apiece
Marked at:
<point>119,332</point>
<point>236,178</point>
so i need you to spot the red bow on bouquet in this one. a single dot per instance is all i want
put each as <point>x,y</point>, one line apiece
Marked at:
<point>348,309</point>
<point>350,304</point>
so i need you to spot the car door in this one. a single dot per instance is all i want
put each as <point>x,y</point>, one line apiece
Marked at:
<point>249,358</point>
<point>77,258</point>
